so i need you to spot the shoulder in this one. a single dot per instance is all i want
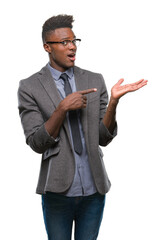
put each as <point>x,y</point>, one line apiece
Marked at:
<point>35,76</point>
<point>91,76</point>
<point>84,71</point>
<point>33,80</point>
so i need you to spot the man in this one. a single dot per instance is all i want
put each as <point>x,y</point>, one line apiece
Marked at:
<point>65,117</point>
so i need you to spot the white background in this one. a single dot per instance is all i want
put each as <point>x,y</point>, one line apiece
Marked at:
<point>120,39</point>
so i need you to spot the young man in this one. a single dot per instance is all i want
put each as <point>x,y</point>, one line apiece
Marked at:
<point>65,117</point>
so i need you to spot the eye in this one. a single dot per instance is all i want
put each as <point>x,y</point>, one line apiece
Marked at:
<point>65,42</point>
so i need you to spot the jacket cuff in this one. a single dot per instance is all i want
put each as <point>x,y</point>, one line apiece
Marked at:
<point>105,136</point>
<point>41,140</point>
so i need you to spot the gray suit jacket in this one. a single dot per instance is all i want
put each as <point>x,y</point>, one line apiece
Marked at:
<point>38,98</point>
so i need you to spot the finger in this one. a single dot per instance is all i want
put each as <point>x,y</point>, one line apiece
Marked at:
<point>120,81</point>
<point>84,97</point>
<point>143,83</point>
<point>84,105</point>
<point>88,91</point>
<point>135,86</point>
<point>138,82</point>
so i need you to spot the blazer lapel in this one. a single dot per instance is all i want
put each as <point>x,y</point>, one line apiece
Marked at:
<point>81,80</point>
<point>48,83</point>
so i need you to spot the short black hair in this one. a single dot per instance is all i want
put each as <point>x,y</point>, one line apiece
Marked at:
<point>59,21</point>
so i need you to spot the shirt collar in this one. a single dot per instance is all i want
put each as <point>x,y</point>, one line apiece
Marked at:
<point>56,74</point>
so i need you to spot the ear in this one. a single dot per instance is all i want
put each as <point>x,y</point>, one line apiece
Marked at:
<point>47,48</point>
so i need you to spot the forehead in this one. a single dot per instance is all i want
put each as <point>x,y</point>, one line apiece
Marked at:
<point>61,34</point>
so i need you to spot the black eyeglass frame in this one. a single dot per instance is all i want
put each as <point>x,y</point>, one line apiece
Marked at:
<point>65,42</point>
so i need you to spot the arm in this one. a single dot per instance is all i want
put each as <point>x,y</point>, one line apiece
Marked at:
<point>32,120</point>
<point>41,134</point>
<point>73,101</point>
<point>117,92</point>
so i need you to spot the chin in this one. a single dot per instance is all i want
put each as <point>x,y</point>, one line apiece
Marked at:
<point>70,65</point>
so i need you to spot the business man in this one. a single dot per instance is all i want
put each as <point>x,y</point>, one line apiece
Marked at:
<point>65,117</point>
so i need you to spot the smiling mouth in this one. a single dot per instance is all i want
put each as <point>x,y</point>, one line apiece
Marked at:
<point>72,56</point>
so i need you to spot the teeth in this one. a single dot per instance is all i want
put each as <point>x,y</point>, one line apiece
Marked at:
<point>71,55</point>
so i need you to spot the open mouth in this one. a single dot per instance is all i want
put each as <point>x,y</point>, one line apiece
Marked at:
<point>72,56</point>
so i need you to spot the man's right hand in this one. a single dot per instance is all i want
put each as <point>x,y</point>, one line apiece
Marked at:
<point>73,101</point>
<point>76,100</point>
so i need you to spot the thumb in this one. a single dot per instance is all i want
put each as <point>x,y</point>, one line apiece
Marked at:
<point>120,81</point>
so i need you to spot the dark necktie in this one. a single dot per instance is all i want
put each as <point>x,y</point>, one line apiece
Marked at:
<point>73,118</point>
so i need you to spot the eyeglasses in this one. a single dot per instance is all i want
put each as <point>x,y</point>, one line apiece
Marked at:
<point>66,43</point>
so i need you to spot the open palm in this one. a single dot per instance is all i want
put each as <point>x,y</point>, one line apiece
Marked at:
<point>118,91</point>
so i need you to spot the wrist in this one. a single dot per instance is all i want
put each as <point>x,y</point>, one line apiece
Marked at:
<point>114,100</point>
<point>62,107</point>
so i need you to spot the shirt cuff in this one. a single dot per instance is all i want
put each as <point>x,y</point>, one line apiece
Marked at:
<point>52,138</point>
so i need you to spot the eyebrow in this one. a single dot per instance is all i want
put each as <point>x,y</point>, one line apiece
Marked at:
<point>67,38</point>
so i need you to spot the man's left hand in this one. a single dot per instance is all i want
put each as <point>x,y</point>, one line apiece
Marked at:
<point>118,91</point>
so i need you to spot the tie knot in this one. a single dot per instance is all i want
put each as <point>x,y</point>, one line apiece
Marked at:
<point>64,76</point>
<point>67,87</point>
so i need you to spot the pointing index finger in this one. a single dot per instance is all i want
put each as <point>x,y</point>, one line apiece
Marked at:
<point>88,91</point>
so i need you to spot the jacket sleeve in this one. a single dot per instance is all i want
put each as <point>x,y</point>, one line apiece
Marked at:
<point>32,121</point>
<point>105,137</point>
